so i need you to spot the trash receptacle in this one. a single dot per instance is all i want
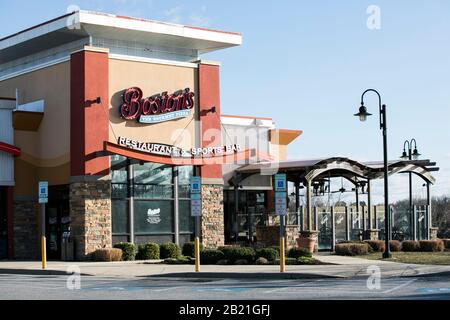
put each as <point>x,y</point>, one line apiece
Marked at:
<point>67,247</point>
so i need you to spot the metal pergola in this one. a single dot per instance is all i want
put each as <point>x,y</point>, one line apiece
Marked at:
<point>308,172</point>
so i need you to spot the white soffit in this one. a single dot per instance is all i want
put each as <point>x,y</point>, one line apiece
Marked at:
<point>87,23</point>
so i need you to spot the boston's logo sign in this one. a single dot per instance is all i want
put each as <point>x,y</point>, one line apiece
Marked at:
<point>158,108</point>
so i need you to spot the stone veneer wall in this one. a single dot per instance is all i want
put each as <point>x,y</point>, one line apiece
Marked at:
<point>267,236</point>
<point>26,230</point>
<point>90,213</point>
<point>212,221</point>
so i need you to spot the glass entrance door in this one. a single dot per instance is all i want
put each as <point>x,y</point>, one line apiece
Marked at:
<point>58,221</point>
<point>3,225</point>
<point>325,228</point>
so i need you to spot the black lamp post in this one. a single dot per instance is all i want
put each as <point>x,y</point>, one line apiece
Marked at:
<point>410,155</point>
<point>363,114</point>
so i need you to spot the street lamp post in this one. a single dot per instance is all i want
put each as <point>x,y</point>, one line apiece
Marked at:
<point>410,155</point>
<point>363,114</point>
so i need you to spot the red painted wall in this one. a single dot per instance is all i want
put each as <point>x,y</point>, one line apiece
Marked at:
<point>209,96</point>
<point>89,121</point>
<point>10,219</point>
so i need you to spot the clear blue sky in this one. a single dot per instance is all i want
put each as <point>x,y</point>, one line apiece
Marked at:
<point>306,63</point>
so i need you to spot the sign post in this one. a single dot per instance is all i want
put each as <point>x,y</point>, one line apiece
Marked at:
<point>43,199</point>
<point>196,211</point>
<point>280,210</point>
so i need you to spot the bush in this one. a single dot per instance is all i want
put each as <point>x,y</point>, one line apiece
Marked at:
<point>352,249</point>
<point>299,252</point>
<point>189,249</point>
<point>148,251</point>
<point>307,260</point>
<point>169,250</point>
<point>376,245</point>
<point>107,255</point>
<point>287,261</point>
<point>277,248</point>
<point>210,256</point>
<point>179,260</point>
<point>241,262</point>
<point>268,253</point>
<point>128,250</point>
<point>410,246</point>
<point>431,245</point>
<point>394,245</point>
<point>261,261</point>
<point>232,254</point>
<point>446,243</point>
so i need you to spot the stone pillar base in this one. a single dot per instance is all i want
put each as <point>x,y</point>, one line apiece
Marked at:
<point>371,234</point>
<point>90,214</point>
<point>212,224</point>
<point>433,233</point>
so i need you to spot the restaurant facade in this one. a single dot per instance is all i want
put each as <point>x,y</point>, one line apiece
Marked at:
<point>118,114</point>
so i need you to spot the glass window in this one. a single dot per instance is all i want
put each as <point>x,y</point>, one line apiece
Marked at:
<point>187,223</point>
<point>119,172</point>
<point>153,216</point>
<point>153,181</point>
<point>152,173</point>
<point>184,181</point>
<point>120,221</point>
<point>119,190</point>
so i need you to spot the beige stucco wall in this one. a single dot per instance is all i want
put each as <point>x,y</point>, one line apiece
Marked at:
<point>46,153</point>
<point>152,79</point>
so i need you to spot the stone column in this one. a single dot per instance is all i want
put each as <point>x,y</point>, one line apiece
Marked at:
<point>212,220</point>
<point>26,230</point>
<point>90,213</point>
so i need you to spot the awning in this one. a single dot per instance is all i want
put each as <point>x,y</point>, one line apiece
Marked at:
<point>5,147</point>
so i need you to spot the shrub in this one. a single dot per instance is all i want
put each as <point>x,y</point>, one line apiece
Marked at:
<point>410,246</point>
<point>210,256</point>
<point>268,253</point>
<point>431,245</point>
<point>222,262</point>
<point>394,245</point>
<point>128,250</point>
<point>299,252</point>
<point>238,253</point>
<point>307,260</point>
<point>241,262</point>
<point>189,249</point>
<point>376,245</point>
<point>261,261</point>
<point>107,255</point>
<point>277,248</point>
<point>179,260</point>
<point>446,243</point>
<point>287,261</point>
<point>148,251</point>
<point>352,249</point>
<point>169,250</point>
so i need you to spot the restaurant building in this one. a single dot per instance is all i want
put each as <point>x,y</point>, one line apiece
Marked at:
<point>118,114</point>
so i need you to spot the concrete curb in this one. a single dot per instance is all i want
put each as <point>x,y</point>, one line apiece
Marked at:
<point>243,275</point>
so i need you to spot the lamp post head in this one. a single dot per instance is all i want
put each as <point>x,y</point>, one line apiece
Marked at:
<point>362,114</point>
<point>415,154</point>
<point>404,155</point>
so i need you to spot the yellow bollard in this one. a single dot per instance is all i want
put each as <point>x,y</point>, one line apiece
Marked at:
<point>282,257</point>
<point>197,254</point>
<point>43,252</point>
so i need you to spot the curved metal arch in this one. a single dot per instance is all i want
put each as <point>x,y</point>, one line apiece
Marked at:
<point>419,171</point>
<point>336,165</point>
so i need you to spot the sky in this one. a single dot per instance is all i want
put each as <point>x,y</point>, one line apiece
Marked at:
<point>306,64</point>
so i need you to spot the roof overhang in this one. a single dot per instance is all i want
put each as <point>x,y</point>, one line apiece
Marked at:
<point>84,24</point>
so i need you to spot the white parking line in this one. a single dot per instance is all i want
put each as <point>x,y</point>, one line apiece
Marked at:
<point>400,286</point>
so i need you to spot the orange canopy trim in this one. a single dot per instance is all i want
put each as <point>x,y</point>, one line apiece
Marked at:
<point>239,157</point>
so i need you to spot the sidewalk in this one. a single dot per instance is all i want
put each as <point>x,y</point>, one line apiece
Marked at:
<point>344,267</point>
